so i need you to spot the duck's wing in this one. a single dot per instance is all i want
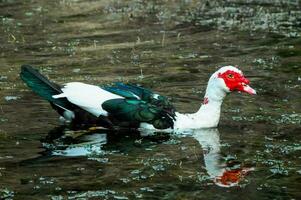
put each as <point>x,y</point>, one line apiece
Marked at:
<point>120,103</point>
<point>88,97</point>
<point>139,105</point>
<point>136,111</point>
<point>131,91</point>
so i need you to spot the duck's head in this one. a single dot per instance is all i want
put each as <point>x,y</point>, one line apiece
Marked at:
<point>230,79</point>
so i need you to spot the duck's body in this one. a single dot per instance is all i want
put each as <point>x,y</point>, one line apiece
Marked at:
<point>133,106</point>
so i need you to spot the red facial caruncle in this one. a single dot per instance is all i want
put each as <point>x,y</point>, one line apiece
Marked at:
<point>236,81</point>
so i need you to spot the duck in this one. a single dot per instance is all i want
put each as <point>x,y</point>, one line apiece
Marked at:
<point>133,106</point>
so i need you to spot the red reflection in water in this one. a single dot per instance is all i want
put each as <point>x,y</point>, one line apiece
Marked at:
<point>232,177</point>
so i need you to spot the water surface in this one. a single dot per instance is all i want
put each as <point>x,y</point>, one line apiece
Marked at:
<point>172,48</point>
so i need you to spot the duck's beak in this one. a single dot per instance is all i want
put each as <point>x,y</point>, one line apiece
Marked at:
<point>246,88</point>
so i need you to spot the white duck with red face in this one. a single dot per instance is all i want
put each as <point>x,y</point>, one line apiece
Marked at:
<point>129,105</point>
<point>223,81</point>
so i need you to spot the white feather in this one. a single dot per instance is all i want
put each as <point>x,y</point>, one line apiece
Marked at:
<point>88,97</point>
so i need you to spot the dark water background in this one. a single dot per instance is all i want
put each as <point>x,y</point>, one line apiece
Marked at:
<point>171,47</point>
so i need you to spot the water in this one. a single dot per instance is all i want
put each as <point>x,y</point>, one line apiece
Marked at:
<point>172,48</point>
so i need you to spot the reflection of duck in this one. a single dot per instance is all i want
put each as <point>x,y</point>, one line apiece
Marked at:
<point>220,173</point>
<point>95,141</point>
<point>133,106</point>
<point>90,145</point>
<point>87,143</point>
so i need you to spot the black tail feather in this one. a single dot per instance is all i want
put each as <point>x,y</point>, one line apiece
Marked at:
<point>42,86</point>
<point>46,89</point>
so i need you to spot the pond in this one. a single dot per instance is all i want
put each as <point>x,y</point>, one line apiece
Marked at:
<point>171,47</point>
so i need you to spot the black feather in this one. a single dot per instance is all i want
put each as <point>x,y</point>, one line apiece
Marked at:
<point>42,86</point>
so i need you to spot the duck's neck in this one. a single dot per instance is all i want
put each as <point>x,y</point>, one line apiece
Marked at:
<point>209,113</point>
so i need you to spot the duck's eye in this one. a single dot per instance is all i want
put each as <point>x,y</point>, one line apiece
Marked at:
<point>230,76</point>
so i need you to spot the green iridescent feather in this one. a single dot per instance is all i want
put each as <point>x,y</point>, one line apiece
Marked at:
<point>131,91</point>
<point>135,110</point>
<point>140,105</point>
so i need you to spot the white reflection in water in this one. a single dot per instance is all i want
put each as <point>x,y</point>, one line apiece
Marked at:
<point>92,146</point>
<point>217,169</point>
